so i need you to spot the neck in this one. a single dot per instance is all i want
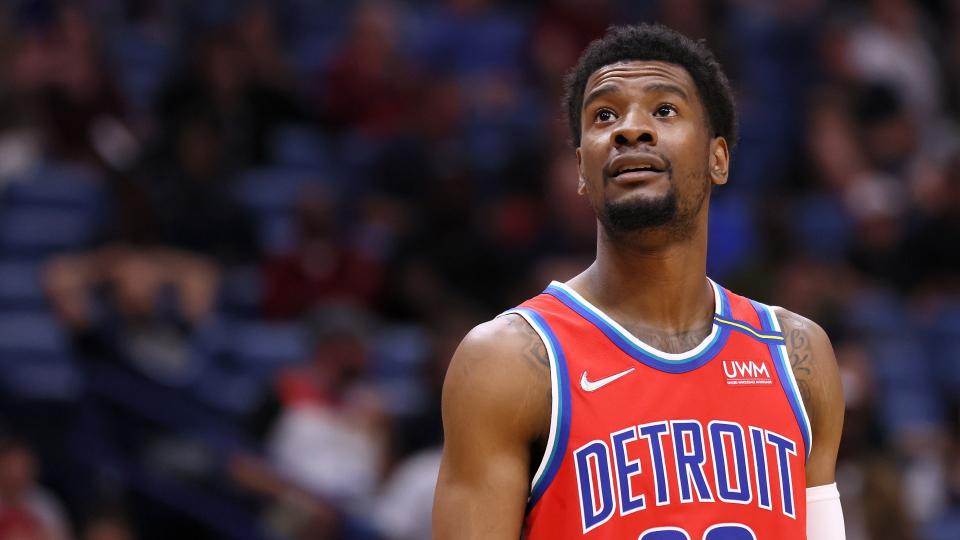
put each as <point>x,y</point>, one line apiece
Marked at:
<point>661,286</point>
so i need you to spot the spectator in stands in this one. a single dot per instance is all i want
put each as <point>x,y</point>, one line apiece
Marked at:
<point>173,230</point>
<point>931,245</point>
<point>27,510</point>
<point>325,451</point>
<point>61,75</point>
<point>450,198</point>
<point>404,502</point>
<point>324,266</point>
<point>404,506</point>
<point>892,45</point>
<point>238,77</point>
<point>256,36</point>
<point>370,84</point>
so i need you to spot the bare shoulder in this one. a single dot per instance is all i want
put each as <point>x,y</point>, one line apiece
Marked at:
<point>808,347</point>
<point>810,351</point>
<point>509,342</point>
<point>496,408</point>
<point>500,367</point>
<point>814,366</point>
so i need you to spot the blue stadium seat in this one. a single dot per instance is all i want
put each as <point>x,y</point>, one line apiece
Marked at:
<point>20,284</point>
<point>400,351</point>
<point>879,313</point>
<point>273,189</point>
<point>37,231</point>
<point>240,290</point>
<point>823,226</point>
<point>901,361</point>
<point>469,45</point>
<point>271,195</point>
<point>944,347</point>
<point>909,392</point>
<point>732,235</point>
<point>313,54</point>
<point>902,409</point>
<point>234,393</point>
<point>315,35</point>
<point>943,527</point>
<point>946,353</point>
<point>263,347</point>
<point>301,146</point>
<point>35,358</point>
<point>31,332</point>
<point>142,64</point>
<point>40,377</point>
<point>55,185</point>
<point>277,233</point>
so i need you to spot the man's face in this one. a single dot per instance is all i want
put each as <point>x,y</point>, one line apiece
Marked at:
<point>646,156</point>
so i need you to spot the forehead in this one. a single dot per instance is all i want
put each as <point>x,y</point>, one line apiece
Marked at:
<point>640,73</point>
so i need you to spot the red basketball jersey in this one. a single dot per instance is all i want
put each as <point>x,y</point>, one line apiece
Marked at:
<point>710,444</point>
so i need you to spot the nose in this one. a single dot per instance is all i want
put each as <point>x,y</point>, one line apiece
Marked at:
<point>635,128</point>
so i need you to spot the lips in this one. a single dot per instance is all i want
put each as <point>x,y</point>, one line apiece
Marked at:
<point>637,164</point>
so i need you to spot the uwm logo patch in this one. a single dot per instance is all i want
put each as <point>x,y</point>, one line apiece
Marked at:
<point>746,372</point>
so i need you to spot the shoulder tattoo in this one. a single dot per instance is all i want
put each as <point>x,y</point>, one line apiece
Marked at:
<point>796,332</point>
<point>533,350</point>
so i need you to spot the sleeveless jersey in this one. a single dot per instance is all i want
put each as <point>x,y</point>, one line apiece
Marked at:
<point>710,444</point>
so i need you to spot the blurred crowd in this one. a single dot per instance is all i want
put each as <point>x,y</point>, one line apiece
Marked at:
<point>239,241</point>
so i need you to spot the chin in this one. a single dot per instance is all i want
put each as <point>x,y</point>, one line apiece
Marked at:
<point>639,213</point>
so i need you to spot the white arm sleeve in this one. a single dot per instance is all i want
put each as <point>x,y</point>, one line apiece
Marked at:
<point>824,515</point>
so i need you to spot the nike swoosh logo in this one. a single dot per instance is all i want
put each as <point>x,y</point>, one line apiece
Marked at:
<point>591,386</point>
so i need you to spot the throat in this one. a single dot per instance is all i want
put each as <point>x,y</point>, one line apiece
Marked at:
<point>672,342</point>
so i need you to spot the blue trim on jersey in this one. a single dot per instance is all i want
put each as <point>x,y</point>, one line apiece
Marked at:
<point>641,355</point>
<point>782,365</point>
<point>563,422</point>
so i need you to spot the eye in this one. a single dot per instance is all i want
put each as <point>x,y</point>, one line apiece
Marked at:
<point>603,115</point>
<point>665,110</point>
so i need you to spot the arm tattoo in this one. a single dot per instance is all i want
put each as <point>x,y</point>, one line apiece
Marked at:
<point>801,353</point>
<point>535,353</point>
<point>534,350</point>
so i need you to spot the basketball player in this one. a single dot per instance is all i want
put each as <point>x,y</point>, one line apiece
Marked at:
<point>640,400</point>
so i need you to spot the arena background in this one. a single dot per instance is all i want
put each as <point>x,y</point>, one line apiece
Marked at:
<point>240,240</point>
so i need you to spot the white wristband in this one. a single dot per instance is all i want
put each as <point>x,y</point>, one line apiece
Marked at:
<point>824,515</point>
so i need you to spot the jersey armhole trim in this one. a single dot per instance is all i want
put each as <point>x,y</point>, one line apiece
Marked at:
<point>768,319</point>
<point>559,407</point>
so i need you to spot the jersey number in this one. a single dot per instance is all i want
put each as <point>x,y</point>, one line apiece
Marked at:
<point>720,531</point>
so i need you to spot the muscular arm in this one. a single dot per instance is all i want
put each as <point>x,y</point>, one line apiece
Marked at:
<point>496,404</point>
<point>815,369</point>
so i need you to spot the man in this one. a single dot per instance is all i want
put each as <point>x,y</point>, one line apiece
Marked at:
<point>641,400</point>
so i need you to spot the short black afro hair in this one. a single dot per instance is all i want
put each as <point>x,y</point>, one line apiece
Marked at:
<point>656,42</point>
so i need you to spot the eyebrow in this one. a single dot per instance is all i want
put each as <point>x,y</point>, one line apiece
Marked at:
<point>598,93</point>
<point>667,88</point>
<point>661,87</point>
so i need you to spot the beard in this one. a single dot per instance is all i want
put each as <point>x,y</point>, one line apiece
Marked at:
<point>640,214</point>
<point>664,213</point>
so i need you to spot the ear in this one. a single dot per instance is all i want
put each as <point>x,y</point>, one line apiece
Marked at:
<point>719,161</point>
<point>581,180</point>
